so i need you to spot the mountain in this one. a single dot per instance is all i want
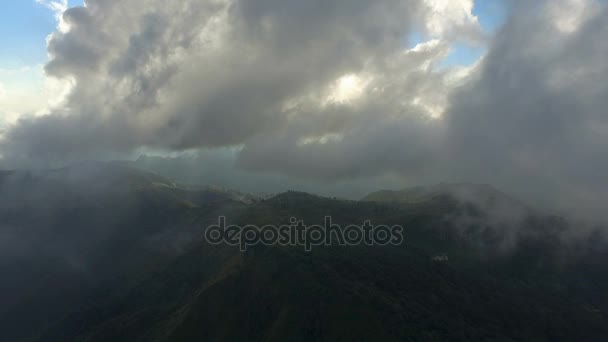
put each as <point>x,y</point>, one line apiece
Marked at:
<point>91,229</point>
<point>102,252</point>
<point>482,195</point>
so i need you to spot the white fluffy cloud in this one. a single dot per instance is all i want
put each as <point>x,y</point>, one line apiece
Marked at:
<point>452,19</point>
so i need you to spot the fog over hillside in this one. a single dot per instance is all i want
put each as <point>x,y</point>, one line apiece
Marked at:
<point>104,251</point>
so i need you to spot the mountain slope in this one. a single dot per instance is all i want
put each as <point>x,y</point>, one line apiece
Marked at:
<point>73,234</point>
<point>126,261</point>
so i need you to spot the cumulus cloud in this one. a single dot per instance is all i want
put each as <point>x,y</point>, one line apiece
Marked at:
<point>330,90</point>
<point>217,73</point>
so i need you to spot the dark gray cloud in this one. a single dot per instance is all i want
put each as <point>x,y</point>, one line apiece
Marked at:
<point>535,120</point>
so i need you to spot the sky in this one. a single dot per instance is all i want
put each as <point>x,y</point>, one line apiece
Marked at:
<point>26,25</point>
<point>343,94</point>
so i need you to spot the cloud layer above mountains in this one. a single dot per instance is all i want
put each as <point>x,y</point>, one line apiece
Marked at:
<point>332,90</point>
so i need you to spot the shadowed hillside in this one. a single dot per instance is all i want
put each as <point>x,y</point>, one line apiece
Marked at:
<point>105,252</point>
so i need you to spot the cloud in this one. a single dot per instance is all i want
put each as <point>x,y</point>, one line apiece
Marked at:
<point>28,93</point>
<point>535,119</point>
<point>453,19</point>
<point>56,6</point>
<point>390,129</point>
<point>207,74</point>
<point>31,93</point>
<point>330,91</point>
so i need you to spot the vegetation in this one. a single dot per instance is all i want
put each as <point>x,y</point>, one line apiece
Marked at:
<point>109,253</point>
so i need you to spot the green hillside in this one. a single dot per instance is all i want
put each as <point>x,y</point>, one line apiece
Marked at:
<point>124,259</point>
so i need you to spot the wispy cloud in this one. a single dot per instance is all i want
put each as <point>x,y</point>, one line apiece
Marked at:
<point>58,7</point>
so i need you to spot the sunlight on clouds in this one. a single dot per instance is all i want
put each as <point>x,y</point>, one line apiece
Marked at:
<point>58,7</point>
<point>297,84</point>
<point>447,16</point>
<point>568,15</point>
<point>55,6</point>
<point>434,110</point>
<point>27,91</point>
<point>347,89</point>
<point>460,75</point>
<point>430,48</point>
<point>451,22</point>
<point>426,46</point>
<point>321,140</point>
<point>56,93</point>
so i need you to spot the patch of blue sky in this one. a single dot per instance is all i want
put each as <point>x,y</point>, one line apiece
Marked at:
<point>462,54</point>
<point>415,38</point>
<point>491,13</point>
<point>24,26</point>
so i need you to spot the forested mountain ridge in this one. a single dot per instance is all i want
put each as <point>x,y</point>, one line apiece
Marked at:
<point>103,252</point>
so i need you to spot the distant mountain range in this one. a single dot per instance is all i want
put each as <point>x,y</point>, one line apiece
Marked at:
<point>108,252</point>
